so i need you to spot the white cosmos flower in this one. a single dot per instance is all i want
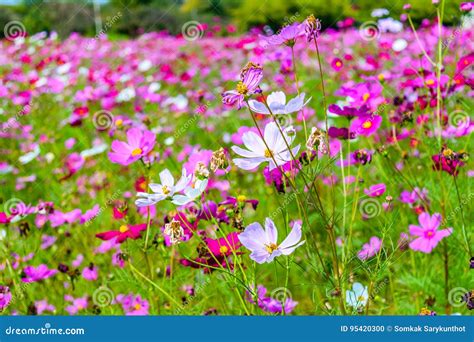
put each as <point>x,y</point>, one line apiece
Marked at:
<point>257,151</point>
<point>277,103</point>
<point>166,189</point>
<point>358,297</point>
<point>191,192</point>
<point>28,157</point>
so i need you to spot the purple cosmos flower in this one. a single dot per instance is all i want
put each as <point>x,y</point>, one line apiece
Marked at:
<point>466,6</point>
<point>249,79</point>
<point>138,145</point>
<point>287,35</point>
<point>5,297</point>
<point>257,151</point>
<point>340,133</point>
<point>428,235</point>
<point>33,274</point>
<point>47,241</point>
<point>376,190</point>
<point>370,249</point>
<point>133,305</point>
<point>349,112</point>
<point>263,242</point>
<point>271,304</point>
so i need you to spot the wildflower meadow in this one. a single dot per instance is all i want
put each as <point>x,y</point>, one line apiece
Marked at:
<point>305,170</point>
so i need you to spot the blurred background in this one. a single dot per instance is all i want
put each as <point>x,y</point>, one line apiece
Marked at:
<point>129,18</point>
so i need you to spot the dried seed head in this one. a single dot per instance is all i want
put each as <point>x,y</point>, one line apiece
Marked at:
<point>218,160</point>
<point>174,231</point>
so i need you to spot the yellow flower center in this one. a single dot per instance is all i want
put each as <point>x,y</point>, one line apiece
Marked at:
<point>381,77</point>
<point>137,306</point>
<point>360,298</point>
<point>165,190</point>
<point>338,64</point>
<point>429,234</point>
<point>119,122</point>
<point>268,153</point>
<point>241,198</point>
<point>447,152</point>
<point>430,82</point>
<point>367,124</point>
<point>271,247</point>
<point>223,249</point>
<point>366,96</point>
<point>137,151</point>
<point>242,88</point>
<point>123,228</point>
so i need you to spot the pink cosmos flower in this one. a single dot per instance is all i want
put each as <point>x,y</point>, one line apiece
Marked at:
<point>133,305</point>
<point>287,35</point>
<point>428,235</point>
<point>90,272</point>
<point>125,232</point>
<point>33,274</point>
<point>376,190</point>
<point>77,305</point>
<point>370,249</point>
<point>248,85</point>
<point>43,306</point>
<point>263,242</point>
<point>366,125</point>
<point>139,144</point>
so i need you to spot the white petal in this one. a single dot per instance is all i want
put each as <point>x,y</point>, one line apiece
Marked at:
<point>166,178</point>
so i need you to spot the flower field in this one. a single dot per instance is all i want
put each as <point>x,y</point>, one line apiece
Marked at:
<point>295,172</point>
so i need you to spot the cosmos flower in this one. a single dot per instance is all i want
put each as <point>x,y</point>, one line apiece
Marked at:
<point>375,190</point>
<point>257,151</point>
<point>249,80</point>
<point>139,144</point>
<point>358,297</point>
<point>90,272</point>
<point>191,192</point>
<point>5,297</point>
<point>125,232</point>
<point>43,306</point>
<point>224,246</point>
<point>133,305</point>
<point>33,274</point>
<point>287,35</point>
<point>167,188</point>
<point>270,304</point>
<point>77,304</point>
<point>370,249</point>
<point>263,242</point>
<point>366,125</point>
<point>277,103</point>
<point>427,233</point>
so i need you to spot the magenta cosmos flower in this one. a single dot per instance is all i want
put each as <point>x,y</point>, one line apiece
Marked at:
<point>33,274</point>
<point>375,190</point>
<point>250,77</point>
<point>428,235</point>
<point>125,232</point>
<point>263,242</point>
<point>138,145</point>
<point>366,125</point>
<point>370,249</point>
<point>5,297</point>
